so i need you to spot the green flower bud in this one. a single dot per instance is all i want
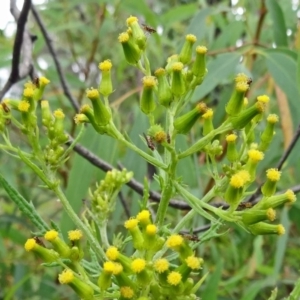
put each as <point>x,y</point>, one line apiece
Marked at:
<point>184,123</point>
<point>236,102</point>
<point>164,93</point>
<point>262,228</point>
<point>177,243</point>
<point>138,267</point>
<point>59,116</point>
<point>137,32</point>
<point>101,113</point>
<point>131,51</point>
<point>58,244</point>
<point>208,124</point>
<point>253,215</point>
<point>40,84</point>
<point>170,62</point>
<point>245,117</point>
<point>186,51</point>
<point>269,187</point>
<point>254,157</point>
<point>231,154</point>
<point>81,288</point>
<point>199,66</point>
<point>268,133</point>
<point>47,255</point>
<point>178,83</point>
<point>47,118</point>
<point>147,102</point>
<point>137,237</point>
<point>235,188</point>
<point>105,87</point>
<point>104,280</point>
<point>277,200</point>
<point>157,133</point>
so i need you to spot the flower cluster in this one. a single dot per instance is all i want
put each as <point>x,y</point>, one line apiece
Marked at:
<point>145,273</point>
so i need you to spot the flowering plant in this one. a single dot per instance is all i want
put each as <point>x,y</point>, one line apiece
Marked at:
<point>164,262</point>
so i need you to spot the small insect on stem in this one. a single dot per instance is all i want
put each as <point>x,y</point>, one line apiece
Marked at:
<point>149,142</point>
<point>5,107</point>
<point>249,80</point>
<point>148,29</point>
<point>190,237</point>
<point>39,241</point>
<point>36,82</point>
<point>245,205</point>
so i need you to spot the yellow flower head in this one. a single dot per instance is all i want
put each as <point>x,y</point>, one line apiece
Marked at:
<point>280,229</point>
<point>58,114</point>
<point>241,77</point>
<point>194,262</point>
<point>66,276</point>
<point>105,65</point>
<point>291,196</point>
<point>131,20</point>
<point>109,267</point>
<point>271,214</point>
<point>174,278</point>
<point>208,115</point>
<point>273,174</point>
<point>149,81</point>
<point>43,81</point>
<point>263,98</point>
<point>80,118</point>
<point>201,49</point>
<point>144,216</point>
<point>30,244</point>
<point>112,253</point>
<point>23,106</point>
<point>92,94</point>
<point>28,92</point>
<point>174,240</point>
<point>131,223</point>
<point>160,72</point>
<point>177,66</point>
<point>272,118</point>
<point>151,229</point>
<point>161,265</point>
<point>242,86</point>
<point>75,235</point>
<point>237,181</point>
<point>138,265</point>
<point>255,155</point>
<point>123,37</point>
<point>51,235</point>
<point>118,268</point>
<point>191,38</point>
<point>230,138</point>
<point>126,292</point>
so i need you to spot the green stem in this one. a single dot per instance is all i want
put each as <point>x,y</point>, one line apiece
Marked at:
<point>143,154</point>
<point>204,141</point>
<point>73,216</point>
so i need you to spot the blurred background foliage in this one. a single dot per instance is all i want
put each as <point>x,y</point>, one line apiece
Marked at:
<point>260,38</point>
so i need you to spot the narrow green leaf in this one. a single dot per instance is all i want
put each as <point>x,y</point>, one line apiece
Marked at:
<point>25,207</point>
<point>298,71</point>
<point>279,27</point>
<point>211,289</point>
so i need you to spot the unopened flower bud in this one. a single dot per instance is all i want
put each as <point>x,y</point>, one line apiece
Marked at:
<point>137,32</point>
<point>147,102</point>
<point>131,51</point>
<point>105,87</point>
<point>184,123</point>
<point>236,102</point>
<point>199,66</point>
<point>231,154</point>
<point>186,51</point>
<point>268,133</point>
<point>263,228</point>
<point>178,83</point>
<point>164,93</point>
